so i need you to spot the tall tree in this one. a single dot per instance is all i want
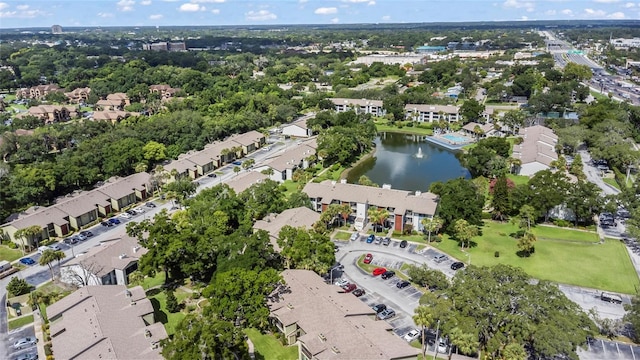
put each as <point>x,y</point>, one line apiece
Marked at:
<point>500,200</point>
<point>424,318</point>
<point>48,257</point>
<point>464,231</point>
<point>432,225</point>
<point>459,199</point>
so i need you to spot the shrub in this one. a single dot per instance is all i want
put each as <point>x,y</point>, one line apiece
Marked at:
<point>486,216</point>
<point>172,302</point>
<point>12,245</point>
<point>18,286</point>
<point>496,254</point>
<point>195,295</point>
<point>410,124</point>
<point>47,350</point>
<point>561,223</point>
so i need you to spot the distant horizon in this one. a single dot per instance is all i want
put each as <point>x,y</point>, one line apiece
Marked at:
<point>35,14</point>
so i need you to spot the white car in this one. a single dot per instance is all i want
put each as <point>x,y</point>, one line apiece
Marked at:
<point>55,247</point>
<point>443,348</point>
<point>24,342</point>
<point>354,236</point>
<point>125,215</point>
<point>342,282</point>
<point>139,210</point>
<point>412,335</point>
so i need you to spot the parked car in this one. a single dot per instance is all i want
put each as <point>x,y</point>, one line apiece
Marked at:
<point>125,215</point>
<point>138,211</point>
<point>388,274</point>
<point>386,241</point>
<point>24,342</point>
<point>212,175</point>
<point>55,247</point>
<point>412,335</point>
<point>114,221</point>
<point>440,258</point>
<point>457,265</point>
<point>370,238</point>
<point>379,308</point>
<point>368,258</point>
<point>349,287</point>
<point>27,261</point>
<point>403,244</point>
<point>81,237</point>
<point>443,348</point>
<point>354,236</point>
<point>341,282</point>
<point>106,224</point>
<point>402,284</point>
<point>358,292</point>
<point>86,233</point>
<point>379,271</point>
<point>70,241</point>
<point>378,240</point>
<point>150,205</point>
<point>28,356</point>
<point>237,163</point>
<point>386,314</point>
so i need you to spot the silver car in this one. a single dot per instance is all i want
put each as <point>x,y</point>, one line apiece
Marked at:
<point>24,342</point>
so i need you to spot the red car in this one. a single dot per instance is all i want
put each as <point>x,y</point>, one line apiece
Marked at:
<point>379,271</point>
<point>349,287</point>
<point>368,258</point>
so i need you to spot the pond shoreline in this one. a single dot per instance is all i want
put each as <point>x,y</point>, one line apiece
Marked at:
<point>345,174</point>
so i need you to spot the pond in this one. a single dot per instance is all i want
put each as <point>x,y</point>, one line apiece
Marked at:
<point>408,162</point>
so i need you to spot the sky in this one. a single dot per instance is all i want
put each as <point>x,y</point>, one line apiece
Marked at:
<point>44,13</point>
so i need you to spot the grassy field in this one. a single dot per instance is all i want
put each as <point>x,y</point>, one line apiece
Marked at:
<point>159,300</point>
<point>518,179</point>
<point>20,322</point>
<point>9,254</point>
<point>561,255</point>
<point>267,347</point>
<point>385,127</point>
<point>341,235</point>
<point>157,280</point>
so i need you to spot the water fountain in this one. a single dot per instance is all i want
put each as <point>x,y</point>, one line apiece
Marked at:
<point>419,154</point>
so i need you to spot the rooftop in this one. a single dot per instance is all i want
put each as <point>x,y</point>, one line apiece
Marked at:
<point>447,109</point>
<point>243,181</point>
<point>358,102</point>
<point>104,322</point>
<point>110,254</point>
<point>296,217</point>
<point>118,188</point>
<point>538,145</point>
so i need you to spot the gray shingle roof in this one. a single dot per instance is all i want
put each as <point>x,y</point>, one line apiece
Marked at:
<point>538,145</point>
<point>296,217</point>
<point>124,186</point>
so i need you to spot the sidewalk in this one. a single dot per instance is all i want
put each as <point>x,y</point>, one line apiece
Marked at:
<point>37,326</point>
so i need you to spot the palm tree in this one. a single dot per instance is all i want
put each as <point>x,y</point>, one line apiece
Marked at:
<point>424,318</point>
<point>432,224</point>
<point>465,342</point>
<point>464,231</point>
<point>29,233</point>
<point>48,257</point>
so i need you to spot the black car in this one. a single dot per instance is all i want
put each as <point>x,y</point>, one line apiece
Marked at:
<point>86,233</point>
<point>403,244</point>
<point>457,265</point>
<point>106,223</point>
<point>70,241</point>
<point>132,213</point>
<point>212,175</point>
<point>150,205</point>
<point>379,308</point>
<point>402,284</point>
<point>388,274</point>
<point>358,292</point>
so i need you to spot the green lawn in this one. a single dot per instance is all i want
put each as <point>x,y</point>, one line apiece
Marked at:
<point>342,235</point>
<point>574,259</point>
<point>612,182</point>
<point>267,347</point>
<point>159,300</point>
<point>157,280</point>
<point>518,179</point>
<point>20,322</point>
<point>385,127</point>
<point>290,187</point>
<point>9,254</point>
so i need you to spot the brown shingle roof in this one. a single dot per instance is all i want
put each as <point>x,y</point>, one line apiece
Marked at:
<point>82,203</point>
<point>124,186</point>
<point>110,255</point>
<point>243,181</point>
<point>247,138</point>
<point>400,200</point>
<point>335,321</point>
<point>296,217</point>
<point>41,217</point>
<point>103,322</point>
<point>290,158</point>
<point>538,145</point>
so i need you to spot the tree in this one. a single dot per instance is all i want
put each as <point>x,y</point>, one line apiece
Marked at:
<point>29,235</point>
<point>205,337</point>
<point>459,199</point>
<point>17,287</point>
<point>466,342</point>
<point>236,169</point>
<point>173,305</point>
<point>514,351</point>
<point>527,217</point>
<point>428,278</point>
<point>526,243</point>
<point>471,110</point>
<point>432,225</point>
<point>154,151</point>
<point>378,216</point>
<point>633,317</point>
<point>424,318</point>
<point>464,231</point>
<point>500,200</point>
<point>306,249</point>
<point>48,257</point>
<point>364,180</point>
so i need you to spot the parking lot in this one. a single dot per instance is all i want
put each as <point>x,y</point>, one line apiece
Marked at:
<point>13,353</point>
<point>610,350</point>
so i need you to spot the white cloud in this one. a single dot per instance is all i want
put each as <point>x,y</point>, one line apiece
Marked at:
<point>355,1</point>
<point>371,3</point>
<point>8,14</point>
<point>145,2</point>
<point>629,5</point>
<point>335,20</point>
<point>156,17</point>
<point>519,4</point>
<point>325,11</point>
<point>3,5</point>
<point>303,1</point>
<point>386,18</point>
<point>567,12</point>
<point>170,0</point>
<point>550,12</point>
<point>215,11</point>
<point>208,1</point>
<point>616,15</point>
<point>190,7</point>
<point>22,7</point>
<point>25,13</point>
<point>125,5</point>
<point>606,1</point>
<point>524,18</point>
<point>594,13</point>
<point>105,15</point>
<point>260,15</point>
